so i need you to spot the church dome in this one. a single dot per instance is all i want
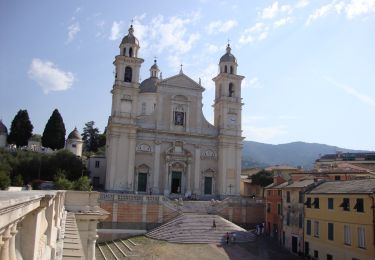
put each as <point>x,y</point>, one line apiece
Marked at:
<point>3,128</point>
<point>228,57</point>
<point>155,66</point>
<point>130,38</point>
<point>74,134</point>
<point>149,85</point>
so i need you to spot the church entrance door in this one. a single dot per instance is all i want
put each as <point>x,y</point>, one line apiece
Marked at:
<point>142,182</point>
<point>207,185</point>
<point>176,182</point>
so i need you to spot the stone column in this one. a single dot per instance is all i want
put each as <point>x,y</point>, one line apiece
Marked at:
<point>197,168</point>
<point>5,248</point>
<point>155,188</point>
<point>12,242</point>
<point>91,247</point>
<point>131,160</point>
<point>166,184</point>
<point>188,186</point>
<point>1,242</point>
<point>238,170</point>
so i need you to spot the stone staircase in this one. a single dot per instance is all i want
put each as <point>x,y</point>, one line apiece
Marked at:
<point>198,229</point>
<point>202,207</point>
<point>116,249</point>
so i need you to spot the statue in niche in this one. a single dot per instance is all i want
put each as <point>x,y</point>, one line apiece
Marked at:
<point>179,118</point>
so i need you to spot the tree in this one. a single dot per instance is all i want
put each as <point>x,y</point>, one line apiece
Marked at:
<point>4,180</point>
<point>262,178</point>
<point>4,173</point>
<point>21,129</point>
<point>83,184</point>
<point>61,183</point>
<point>54,132</point>
<point>90,137</point>
<point>69,163</point>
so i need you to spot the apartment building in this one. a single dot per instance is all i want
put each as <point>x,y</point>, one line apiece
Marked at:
<point>339,220</point>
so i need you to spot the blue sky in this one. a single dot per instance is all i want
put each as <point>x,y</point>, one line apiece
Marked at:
<point>309,65</point>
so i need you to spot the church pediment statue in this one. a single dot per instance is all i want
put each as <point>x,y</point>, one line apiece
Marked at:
<point>208,154</point>
<point>143,168</point>
<point>145,148</point>
<point>181,80</point>
<point>177,152</point>
<point>209,172</point>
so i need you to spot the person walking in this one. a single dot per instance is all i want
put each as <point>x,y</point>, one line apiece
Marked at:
<point>227,236</point>
<point>214,224</point>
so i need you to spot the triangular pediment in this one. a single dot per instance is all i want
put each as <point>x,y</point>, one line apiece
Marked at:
<point>181,80</point>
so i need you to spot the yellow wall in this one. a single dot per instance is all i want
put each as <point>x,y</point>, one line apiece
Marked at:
<point>339,218</point>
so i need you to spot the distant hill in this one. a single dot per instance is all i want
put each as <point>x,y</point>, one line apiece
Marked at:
<point>256,154</point>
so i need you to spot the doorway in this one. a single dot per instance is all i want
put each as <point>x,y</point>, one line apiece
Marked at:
<point>142,182</point>
<point>207,185</point>
<point>176,182</point>
<point>307,248</point>
<point>294,244</point>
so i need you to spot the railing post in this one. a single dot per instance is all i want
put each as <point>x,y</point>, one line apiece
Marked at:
<point>5,248</point>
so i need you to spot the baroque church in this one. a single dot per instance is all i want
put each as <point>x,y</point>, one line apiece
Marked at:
<point>158,140</point>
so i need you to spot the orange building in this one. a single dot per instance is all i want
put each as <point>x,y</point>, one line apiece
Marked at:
<point>273,207</point>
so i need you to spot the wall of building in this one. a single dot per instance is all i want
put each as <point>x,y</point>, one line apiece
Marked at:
<point>246,213</point>
<point>149,211</point>
<point>97,166</point>
<point>135,211</point>
<point>293,207</point>
<point>337,247</point>
<point>273,223</point>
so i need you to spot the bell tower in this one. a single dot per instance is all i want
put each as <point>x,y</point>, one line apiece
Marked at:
<point>121,130</point>
<point>227,112</point>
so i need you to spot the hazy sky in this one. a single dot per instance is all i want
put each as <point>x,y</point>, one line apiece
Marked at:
<point>309,65</point>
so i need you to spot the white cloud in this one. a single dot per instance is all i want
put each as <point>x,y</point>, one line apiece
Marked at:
<point>282,22</point>
<point>353,9</point>
<point>270,11</point>
<point>116,30</point>
<point>167,34</point>
<point>221,26</point>
<point>100,28</point>
<point>320,12</point>
<point>212,48</point>
<point>49,77</point>
<point>273,10</point>
<point>253,83</point>
<point>302,3</point>
<point>73,29</point>
<point>258,32</point>
<point>263,134</point>
<point>209,73</point>
<point>365,99</point>
<point>359,7</point>
<point>286,117</point>
<point>286,9</point>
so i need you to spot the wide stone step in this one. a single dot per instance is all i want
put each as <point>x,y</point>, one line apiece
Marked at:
<point>198,228</point>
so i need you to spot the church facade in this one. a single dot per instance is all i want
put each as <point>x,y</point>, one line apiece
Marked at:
<point>158,140</point>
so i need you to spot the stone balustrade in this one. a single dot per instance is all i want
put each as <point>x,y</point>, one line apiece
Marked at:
<point>32,223</point>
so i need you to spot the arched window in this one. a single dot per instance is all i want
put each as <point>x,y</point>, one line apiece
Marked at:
<point>130,52</point>
<point>124,52</point>
<point>231,69</point>
<point>225,69</point>
<point>128,74</point>
<point>231,90</point>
